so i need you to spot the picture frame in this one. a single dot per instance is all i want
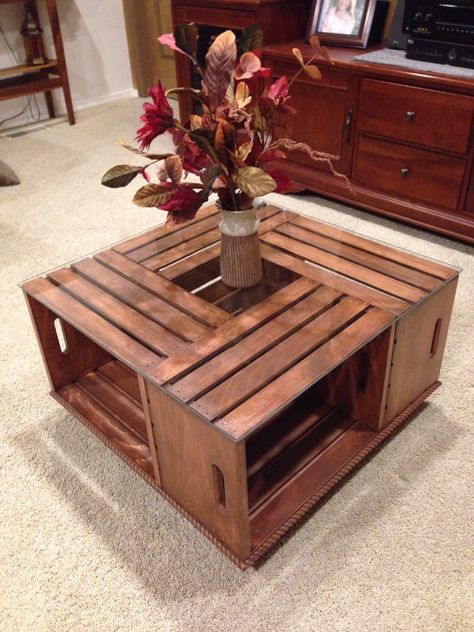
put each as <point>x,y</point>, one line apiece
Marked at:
<point>342,22</point>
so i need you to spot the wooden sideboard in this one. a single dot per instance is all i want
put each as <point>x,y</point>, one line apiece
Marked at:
<point>405,138</point>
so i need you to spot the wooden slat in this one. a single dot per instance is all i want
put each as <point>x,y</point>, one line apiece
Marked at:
<point>195,268</point>
<point>332,279</point>
<point>163,230</point>
<point>122,378</point>
<point>50,66</point>
<point>143,301</point>
<point>166,242</point>
<point>114,432</point>
<point>232,329</point>
<point>119,344</point>
<point>243,384</point>
<point>347,268</point>
<point>296,456</point>
<point>150,428</point>
<point>115,402</point>
<point>383,250</point>
<point>170,292</point>
<point>217,291</point>
<point>292,423</point>
<point>267,401</point>
<point>290,497</point>
<point>124,317</point>
<point>253,345</point>
<point>362,257</point>
<point>182,250</point>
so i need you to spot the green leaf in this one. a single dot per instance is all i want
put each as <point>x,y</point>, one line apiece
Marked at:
<point>153,195</point>
<point>254,181</point>
<point>134,150</point>
<point>120,176</point>
<point>186,37</point>
<point>250,39</point>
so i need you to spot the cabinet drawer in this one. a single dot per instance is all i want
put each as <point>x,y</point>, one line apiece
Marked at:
<point>424,117</point>
<point>412,173</point>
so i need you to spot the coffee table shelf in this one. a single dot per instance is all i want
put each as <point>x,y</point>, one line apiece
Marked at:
<point>243,408</point>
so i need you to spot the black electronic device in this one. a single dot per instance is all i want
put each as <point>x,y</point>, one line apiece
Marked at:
<point>440,31</point>
<point>397,37</point>
<point>438,52</point>
<point>449,21</point>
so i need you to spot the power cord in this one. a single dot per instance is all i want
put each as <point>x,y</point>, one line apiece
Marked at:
<point>30,100</point>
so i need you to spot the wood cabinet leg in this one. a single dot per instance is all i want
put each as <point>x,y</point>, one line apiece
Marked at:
<point>58,44</point>
<point>50,104</point>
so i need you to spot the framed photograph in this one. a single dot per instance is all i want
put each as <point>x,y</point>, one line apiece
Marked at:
<point>342,22</point>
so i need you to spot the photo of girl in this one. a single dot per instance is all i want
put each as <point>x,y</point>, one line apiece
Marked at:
<point>338,16</point>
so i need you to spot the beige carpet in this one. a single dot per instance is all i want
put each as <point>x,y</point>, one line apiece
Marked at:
<point>87,545</point>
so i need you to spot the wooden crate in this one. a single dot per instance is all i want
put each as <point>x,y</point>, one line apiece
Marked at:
<point>243,408</point>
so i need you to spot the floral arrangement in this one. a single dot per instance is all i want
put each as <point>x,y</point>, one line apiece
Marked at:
<point>230,147</point>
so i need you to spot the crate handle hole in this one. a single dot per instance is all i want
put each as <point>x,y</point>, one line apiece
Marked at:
<point>60,335</point>
<point>219,486</point>
<point>435,340</point>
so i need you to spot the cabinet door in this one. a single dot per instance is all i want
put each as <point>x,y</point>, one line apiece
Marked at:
<point>326,113</point>
<point>469,205</point>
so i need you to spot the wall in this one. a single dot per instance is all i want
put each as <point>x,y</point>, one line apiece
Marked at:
<point>96,51</point>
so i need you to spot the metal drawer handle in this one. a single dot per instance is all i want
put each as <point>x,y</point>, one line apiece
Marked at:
<point>409,116</point>
<point>347,127</point>
<point>404,172</point>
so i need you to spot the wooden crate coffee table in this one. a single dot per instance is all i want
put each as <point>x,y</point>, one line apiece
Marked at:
<point>243,408</point>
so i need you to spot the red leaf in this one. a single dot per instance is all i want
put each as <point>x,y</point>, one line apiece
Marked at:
<point>284,183</point>
<point>279,89</point>
<point>168,40</point>
<point>158,117</point>
<point>184,203</point>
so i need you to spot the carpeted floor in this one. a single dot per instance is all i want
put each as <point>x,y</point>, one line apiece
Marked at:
<point>87,545</point>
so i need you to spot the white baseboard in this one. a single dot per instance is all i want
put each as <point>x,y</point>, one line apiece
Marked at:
<point>106,98</point>
<point>78,105</point>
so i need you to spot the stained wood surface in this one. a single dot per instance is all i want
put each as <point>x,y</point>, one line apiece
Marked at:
<point>242,405</point>
<point>234,356</point>
<point>115,416</point>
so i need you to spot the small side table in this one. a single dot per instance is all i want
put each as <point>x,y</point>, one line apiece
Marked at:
<point>18,81</point>
<point>243,408</point>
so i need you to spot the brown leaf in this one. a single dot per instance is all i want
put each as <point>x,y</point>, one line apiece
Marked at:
<point>324,53</point>
<point>174,167</point>
<point>145,154</point>
<point>254,181</point>
<point>220,64</point>
<point>120,176</point>
<point>194,122</point>
<point>208,176</point>
<point>248,65</point>
<point>312,71</point>
<point>196,94</point>
<point>225,140</point>
<point>297,53</point>
<point>153,194</point>
<point>242,95</point>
